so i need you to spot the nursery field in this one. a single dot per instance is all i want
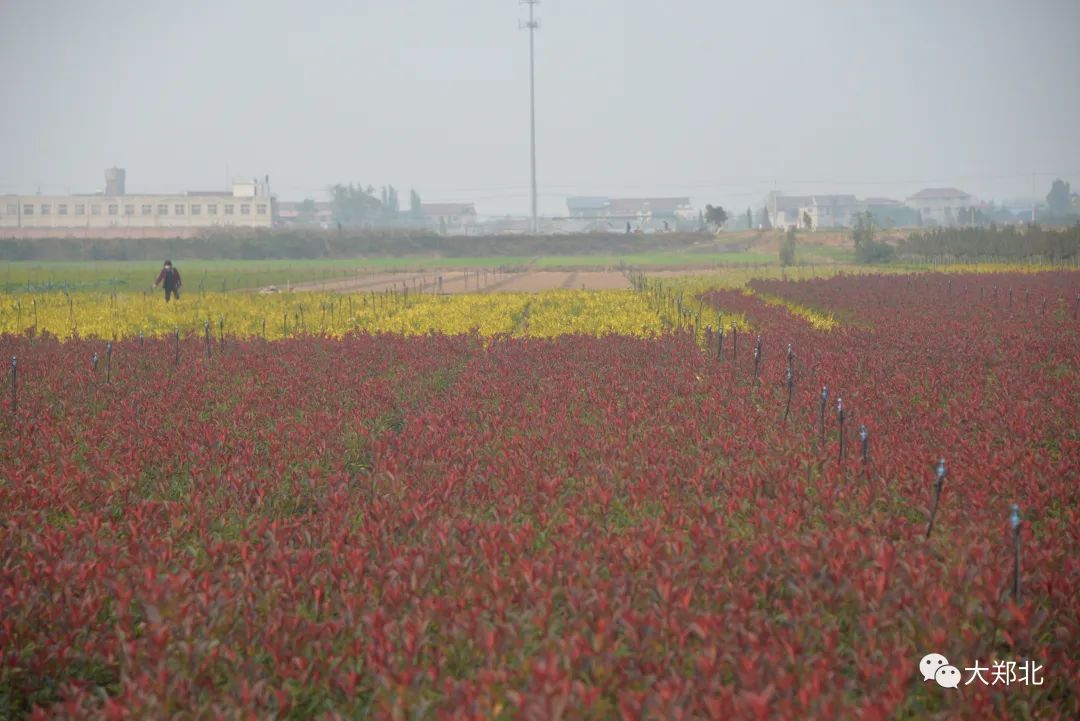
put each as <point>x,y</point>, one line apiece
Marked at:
<point>226,275</point>
<point>565,504</point>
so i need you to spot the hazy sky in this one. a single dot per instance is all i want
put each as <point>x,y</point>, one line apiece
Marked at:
<point>722,101</point>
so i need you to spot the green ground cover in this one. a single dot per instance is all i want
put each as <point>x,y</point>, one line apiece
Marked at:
<point>38,276</point>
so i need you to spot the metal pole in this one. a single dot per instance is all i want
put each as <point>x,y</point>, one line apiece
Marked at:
<point>532,25</point>
<point>938,482</point>
<point>1014,521</point>
<point>1034,198</point>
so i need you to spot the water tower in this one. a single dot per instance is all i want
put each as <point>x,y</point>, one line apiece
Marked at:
<point>114,181</point>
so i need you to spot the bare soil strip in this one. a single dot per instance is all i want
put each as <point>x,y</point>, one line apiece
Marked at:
<point>468,281</point>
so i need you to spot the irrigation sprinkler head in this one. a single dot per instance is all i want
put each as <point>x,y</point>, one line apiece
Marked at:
<point>94,361</point>
<point>14,362</point>
<point>790,378</point>
<point>940,473</point>
<point>790,353</point>
<point>840,406</point>
<point>1014,518</point>
<point>824,394</point>
<point>863,434</point>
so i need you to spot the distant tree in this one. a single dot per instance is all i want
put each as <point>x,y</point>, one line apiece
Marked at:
<point>354,205</point>
<point>701,220</point>
<point>807,221</point>
<point>1008,242</point>
<point>999,214</point>
<point>787,248</point>
<point>749,220</point>
<point>390,207</point>
<point>1057,200</point>
<point>974,217</point>
<point>307,210</point>
<point>416,210</point>
<point>868,250</point>
<point>863,231</point>
<point>887,216</point>
<point>765,223</point>
<point>715,216</point>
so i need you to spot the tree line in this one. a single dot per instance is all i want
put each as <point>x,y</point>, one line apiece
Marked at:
<point>303,244</point>
<point>1032,242</point>
<point>357,206</point>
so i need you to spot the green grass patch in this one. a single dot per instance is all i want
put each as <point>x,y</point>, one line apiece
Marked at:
<point>809,253</point>
<point>659,259</point>
<point>228,275</point>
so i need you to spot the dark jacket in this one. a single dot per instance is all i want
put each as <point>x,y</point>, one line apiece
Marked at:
<point>170,276</point>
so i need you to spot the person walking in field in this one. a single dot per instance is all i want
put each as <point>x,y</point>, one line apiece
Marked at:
<point>170,276</point>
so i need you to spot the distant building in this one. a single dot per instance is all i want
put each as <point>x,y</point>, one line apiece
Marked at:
<point>450,218</point>
<point>883,202</point>
<point>671,209</point>
<point>823,211</point>
<point>248,205</point>
<point>785,211</point>
<point>311,214</point>
<point>941,206</point>
<point>588,206</point>
<point>647,214</point>
<point>507,225</point>
<point>115,181</point>
<point>889,213</point>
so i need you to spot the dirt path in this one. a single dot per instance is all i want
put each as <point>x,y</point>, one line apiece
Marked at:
<point>466,281</point>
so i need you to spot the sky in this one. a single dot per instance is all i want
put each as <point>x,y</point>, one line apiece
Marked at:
<point>719,101</point>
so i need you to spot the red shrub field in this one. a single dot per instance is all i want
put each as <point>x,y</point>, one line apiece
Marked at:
<point>614,527</point>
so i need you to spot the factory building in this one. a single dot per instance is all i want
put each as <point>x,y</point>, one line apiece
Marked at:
<point>247,205</point>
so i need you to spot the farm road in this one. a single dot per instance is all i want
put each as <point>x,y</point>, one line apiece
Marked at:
<point>467,281</point>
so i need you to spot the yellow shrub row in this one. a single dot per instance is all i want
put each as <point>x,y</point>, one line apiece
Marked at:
<point>545,314</point>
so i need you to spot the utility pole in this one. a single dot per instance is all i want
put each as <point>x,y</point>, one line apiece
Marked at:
<point>532,25</point>
<point>1034,198</point>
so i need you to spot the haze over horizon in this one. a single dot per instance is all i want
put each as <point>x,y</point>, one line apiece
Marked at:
<point>721,102</point>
